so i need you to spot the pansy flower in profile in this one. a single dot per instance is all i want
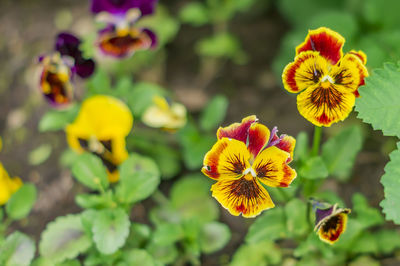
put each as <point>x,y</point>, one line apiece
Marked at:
<point>326,79</point>
<point>121,37</point>
<point>8,186</point>
<point>165,114</point>
<point>246,156</point>
<point>59,68</point>
<point>330,221</point>
<point>100,128</point>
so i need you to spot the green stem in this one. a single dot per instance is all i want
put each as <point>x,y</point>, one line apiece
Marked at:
<point>159,197</point>
<point>316,141</point>
<point>309,214</point>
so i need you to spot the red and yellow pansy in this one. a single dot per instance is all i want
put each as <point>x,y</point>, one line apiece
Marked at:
<point>326,79</point>
<point>246,156</point>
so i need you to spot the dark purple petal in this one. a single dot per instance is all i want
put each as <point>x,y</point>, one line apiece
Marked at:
<point>84,67</point>
<point>152,36</point>
<point>68,44</point>
<point>320,214</point>
<point>120,7</point>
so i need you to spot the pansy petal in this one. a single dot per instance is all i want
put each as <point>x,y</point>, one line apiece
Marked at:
<point>227,159</point>
<point>258,138</point>
<point>119,7</point>
<point>361,55</point>
<point>125,44</point>
<point>68,44</point>
<point>84,67</point>
<point>350,73</point>
<point>321,214</point>
<point>325,104</point>
<point>287,144</point>
<point>152,36</point>
<point>325,41</point>
<point>306,70</point>
<point>272,169</point>
<point>333,227</point>
<point>242,196</point>
<point>238,131</point>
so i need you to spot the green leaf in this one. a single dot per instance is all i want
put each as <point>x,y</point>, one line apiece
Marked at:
<point>139,235</point>
<point>391,184</point>
<point>365,243</point>
<point>167,234</point>
<point>364,261</point>
<point>64,239</point>
<point>164,254</point>
<point>40,154</point>
<point>17,250</point>
<point>136,257</point>
<point>376,105</point>
<point>195,14</point>
<point>214,236</point>
<point>270,225</point>
<point>88,201</point>
<point>296,218</point>
<point>314,168</point>
<point>301,148</point>
<point>90,171</point>
<point>192,198</point>
<point>340,151</point>
<point>110,230</point>
<point>222,45</point>
<point>139,178</point>
<point>55,120</point>
<point>260,253</point>
<point>388,241</point>
<point>214,113</point>
<point>99,83</point>
<point>141,96</point>
<point>21,202</point>
<point>366,215</point>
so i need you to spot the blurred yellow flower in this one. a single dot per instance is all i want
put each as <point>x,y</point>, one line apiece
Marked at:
<point>8,186</point>
<point>165,114</point>
<point>101,126</point>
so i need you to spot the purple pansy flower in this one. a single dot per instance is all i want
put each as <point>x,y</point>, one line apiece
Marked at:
<point>60,67</point>
<point>121,38</point>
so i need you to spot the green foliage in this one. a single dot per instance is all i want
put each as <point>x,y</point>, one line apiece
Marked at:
<point>64,239</point>
<point>340,151</point>
<point>90,171</point>
<point>214,113</point>
<point>261,253</point>
<point>222,45</point>
<point>17,250</point>
<point>296,221</point>
<point>214,236</point>
<point>137,257</point>
<point>167,234</point>
<point>99,83</point>
<point>195,14</point>
<point>141,96</point>
<point>269,225</point>
<point>314,168</point>
<point>110,230</point>
<point>390,181</point>
<point>301,149</point>
<point>40,154</point>
<point>21,202</point>
<point>95,201</point>
<point>55,120</point>
<point>139,178</point>
<point>376,105</point>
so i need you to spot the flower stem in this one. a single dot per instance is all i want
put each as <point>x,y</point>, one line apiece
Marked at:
<point>316,141</point>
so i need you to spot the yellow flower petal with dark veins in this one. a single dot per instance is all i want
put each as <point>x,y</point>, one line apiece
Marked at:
<point>325,104</point>
<point>242,196</point>
<point>332,228</point>
<point>272,169</point>
<point>227,159</point>
<point>306,70</point>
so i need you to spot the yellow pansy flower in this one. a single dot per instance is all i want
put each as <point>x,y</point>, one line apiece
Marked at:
<point>8,186</point>
<point>101,126</point>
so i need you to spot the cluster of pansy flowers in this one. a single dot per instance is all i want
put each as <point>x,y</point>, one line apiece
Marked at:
<point>326,79</point>
<point>8,185</point>
<point>59,68</point>
<point>121,37</point>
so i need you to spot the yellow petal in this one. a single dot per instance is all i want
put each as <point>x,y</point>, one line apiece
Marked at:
<point>272,169</point>
<point>242,196</point>
<point>331,229</point>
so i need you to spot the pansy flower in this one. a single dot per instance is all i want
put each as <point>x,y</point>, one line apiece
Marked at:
<point>246,156</point>
<point>121,37</point>
<point>326,79</point>
<point>60,67</point>
<point>8,186</point>
<point>165,114</point>
<point>330,222</point>
<point>101,126</point>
